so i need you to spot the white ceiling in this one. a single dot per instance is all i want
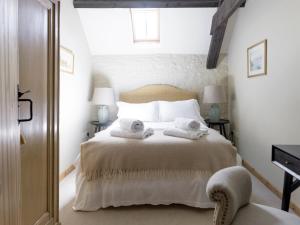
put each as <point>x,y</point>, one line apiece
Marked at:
<point>182,31</point>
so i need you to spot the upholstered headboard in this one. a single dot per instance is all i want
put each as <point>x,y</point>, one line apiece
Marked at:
<point>157,92</point>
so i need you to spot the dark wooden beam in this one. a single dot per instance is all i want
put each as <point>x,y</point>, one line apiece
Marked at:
<point>215,47</point>
<point>145,4</point>
<point>226,9</point>
<point>218,29</point>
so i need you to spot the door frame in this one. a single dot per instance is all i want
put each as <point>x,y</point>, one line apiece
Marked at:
<point>53,102</point>
<point>10,161</point>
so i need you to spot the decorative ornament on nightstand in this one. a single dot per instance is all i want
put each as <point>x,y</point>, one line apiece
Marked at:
<point>103,97</point>
<point>214,95</point>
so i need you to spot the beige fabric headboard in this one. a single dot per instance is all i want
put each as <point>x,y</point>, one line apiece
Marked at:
<point>157,92</point>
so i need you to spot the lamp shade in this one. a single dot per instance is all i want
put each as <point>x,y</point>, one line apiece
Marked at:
<point>214,94</point>
<point>103,96</point>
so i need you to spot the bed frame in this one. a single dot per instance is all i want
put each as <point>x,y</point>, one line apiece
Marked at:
<point>156,92</point>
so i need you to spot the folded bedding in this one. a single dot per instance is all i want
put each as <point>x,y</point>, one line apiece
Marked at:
<point>187,124</point>
<point>131,125</point>
<point>106,156</point>
<point>176,132</point>
<point>121,133</point>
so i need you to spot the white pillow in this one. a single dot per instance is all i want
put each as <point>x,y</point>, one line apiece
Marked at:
<point>169,111</point>
<point>143,111</point>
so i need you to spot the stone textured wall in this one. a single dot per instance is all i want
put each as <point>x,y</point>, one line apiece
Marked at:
<point>127,72</point>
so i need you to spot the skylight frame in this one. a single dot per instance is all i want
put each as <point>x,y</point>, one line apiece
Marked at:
<point>148,40</point>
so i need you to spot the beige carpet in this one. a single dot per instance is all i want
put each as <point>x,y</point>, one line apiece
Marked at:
<point>139,215</point>
<point>147,215</point>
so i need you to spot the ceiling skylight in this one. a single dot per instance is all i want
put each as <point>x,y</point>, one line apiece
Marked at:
<point>145,25</point>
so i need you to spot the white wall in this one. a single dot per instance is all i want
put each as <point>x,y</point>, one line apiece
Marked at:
<point>189,72</point>
<point>265,110</point>
<point>74,88</point>
<point>182,31</point>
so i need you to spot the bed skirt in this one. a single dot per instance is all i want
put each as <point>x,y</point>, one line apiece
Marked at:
<point>125,191</point>
<point>100,193</point>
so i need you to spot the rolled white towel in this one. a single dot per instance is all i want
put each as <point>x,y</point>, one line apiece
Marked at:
<point>118,132</point>
<point>187,124</point>
<point>176,132</point>
<point>132,125</point>
<point>203,128</point>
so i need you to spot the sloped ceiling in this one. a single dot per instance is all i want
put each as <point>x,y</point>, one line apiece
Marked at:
<point>182,31</point>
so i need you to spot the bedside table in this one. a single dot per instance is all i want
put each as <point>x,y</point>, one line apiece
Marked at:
<point>221,124</point>
<point>100,126</point>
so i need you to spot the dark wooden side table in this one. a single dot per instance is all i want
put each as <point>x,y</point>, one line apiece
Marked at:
<point>221,124</point>
<point>100,126</point>
<point>287,157</point>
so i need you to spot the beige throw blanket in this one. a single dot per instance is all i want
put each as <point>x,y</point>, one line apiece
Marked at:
<point>105,156</point>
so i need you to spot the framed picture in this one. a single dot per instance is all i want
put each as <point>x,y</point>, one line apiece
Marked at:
<point>66,60</point>
<point>257,59</point>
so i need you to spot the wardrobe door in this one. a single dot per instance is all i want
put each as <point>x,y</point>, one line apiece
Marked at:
<point>37,74</point>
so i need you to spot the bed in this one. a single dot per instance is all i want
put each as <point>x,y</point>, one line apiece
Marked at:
<point>159,170</point>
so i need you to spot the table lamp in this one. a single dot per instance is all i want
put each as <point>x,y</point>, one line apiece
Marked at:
<point>103,97</point>
<point>214,95</point>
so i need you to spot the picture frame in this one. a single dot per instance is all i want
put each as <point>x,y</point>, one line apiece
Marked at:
<point>257,59</point>
<point>66,60</point>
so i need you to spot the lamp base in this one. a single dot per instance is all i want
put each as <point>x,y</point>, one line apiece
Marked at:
<point>214,113</point>
<point>103,114</point>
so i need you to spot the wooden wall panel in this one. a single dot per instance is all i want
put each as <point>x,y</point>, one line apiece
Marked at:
<point>9,130</point>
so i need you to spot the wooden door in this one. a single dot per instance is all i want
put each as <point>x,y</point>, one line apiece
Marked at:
<point>38,75</point>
